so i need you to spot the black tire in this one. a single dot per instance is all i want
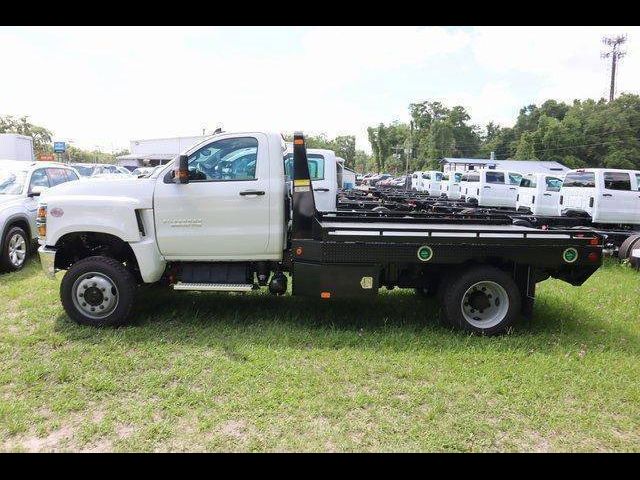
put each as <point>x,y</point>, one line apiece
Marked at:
<point>121,278</point>
<point>6,262</point>
<point>505,315</point>
<point>427,291</point>
<point>627,246</point>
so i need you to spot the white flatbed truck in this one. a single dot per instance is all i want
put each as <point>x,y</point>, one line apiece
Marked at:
<point>220,218</point>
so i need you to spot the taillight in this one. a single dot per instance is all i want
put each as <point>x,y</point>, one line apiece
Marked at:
<point>560,199</point>
<point>41,222</point>
<point>591,202</point>
<point>533,199</point>
<point>518,198</point>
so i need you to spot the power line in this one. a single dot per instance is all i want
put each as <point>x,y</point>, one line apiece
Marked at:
<point>615,54</point>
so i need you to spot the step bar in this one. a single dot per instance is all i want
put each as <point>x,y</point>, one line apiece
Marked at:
<point>214,287</point>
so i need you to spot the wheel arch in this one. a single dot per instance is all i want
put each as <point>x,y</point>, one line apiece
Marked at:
<point>72,247</point>
<point>17,220</point>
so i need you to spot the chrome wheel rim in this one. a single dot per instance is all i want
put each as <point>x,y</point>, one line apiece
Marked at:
<point>485,304</point>
<point>95,295</point>
<point>17,250</point>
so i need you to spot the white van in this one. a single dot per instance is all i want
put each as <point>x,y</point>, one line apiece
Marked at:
<point>431,182</point>
<point>451,185</point>
<point>493,188</point>
<point>539,194</point>
<point>606,195</point>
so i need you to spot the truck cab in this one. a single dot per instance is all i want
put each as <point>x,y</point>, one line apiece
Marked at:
<point>493,188</point>
<point>431,180</point>
<point>416,181</point>
<point>607,196</point>
<point>539,194</point>
<point>323,168</point>
<point>451,187</point>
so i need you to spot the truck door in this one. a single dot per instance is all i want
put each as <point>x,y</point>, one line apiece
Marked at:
<point>493,190</point>
<point>617,200</point>
<point>223,212</point>
<point>550,197</point>
<point>637,204</point>
<point>323,172</point>
<point>511,192</point>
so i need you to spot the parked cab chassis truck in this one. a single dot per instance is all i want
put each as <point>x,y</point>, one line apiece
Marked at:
<point>483,270</point>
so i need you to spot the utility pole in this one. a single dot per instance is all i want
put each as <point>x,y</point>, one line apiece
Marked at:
<point>616,54</point>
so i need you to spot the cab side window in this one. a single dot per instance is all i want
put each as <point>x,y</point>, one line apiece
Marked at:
<point>225,160</point>
<point>514,178</point>
<point>528,182</point>
<point>638,181</point>
<point>495,177</point>
<point>553,184</point>
<point>39,179</point>
<point>56,176</point>
<point>71,175</point>
<point>617,181</point>
<point>314,161</point>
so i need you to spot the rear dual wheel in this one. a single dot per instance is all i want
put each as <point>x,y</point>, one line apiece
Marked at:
<point>631,242</point>
<point>482,300</point>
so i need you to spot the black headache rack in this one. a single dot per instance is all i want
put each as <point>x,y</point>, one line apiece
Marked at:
<point>345,253</point>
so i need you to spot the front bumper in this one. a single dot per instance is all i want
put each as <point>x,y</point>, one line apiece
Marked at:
<point>48,260</point>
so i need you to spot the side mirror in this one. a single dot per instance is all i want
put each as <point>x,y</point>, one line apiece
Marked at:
<point>182,174</point>
<point>36,191</point>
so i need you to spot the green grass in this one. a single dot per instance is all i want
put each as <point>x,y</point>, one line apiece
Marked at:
<point>230,372</point>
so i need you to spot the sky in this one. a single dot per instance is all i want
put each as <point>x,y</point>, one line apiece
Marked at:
<point>101,87</point>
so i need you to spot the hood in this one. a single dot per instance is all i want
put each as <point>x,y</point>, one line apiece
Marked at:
<point>7,201</point>
<point>140,189</point>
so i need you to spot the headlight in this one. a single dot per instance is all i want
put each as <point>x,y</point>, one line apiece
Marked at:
<point>41,222</point>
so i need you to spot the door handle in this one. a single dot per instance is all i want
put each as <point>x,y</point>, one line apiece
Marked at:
<point>547,194</point>
<point>607,195</point>
<point>320,189</point>
<point>512,188</point>
<point>252,192</point>
<point>486,187</point>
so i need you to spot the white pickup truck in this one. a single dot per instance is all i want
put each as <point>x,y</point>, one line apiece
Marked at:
<point>220,218</point>
<point>607,196</point>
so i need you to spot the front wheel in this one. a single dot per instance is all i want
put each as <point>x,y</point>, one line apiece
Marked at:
<point>483,300</point>
<point>98,291</point>
<point>15,250</point>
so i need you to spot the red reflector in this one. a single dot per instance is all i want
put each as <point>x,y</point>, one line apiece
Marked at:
<point>593,241</point>
<point>593,257</point>
<point>298,141</point>
<point>299,251</point>
<point>325,295</point>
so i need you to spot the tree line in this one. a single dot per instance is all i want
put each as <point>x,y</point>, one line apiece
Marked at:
<point>586,133</point>
<point>43,141</point>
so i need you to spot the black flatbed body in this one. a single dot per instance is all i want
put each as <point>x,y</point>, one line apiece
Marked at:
<point>354,253</point>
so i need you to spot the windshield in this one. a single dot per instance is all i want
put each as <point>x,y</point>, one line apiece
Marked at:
<point>12,181</point>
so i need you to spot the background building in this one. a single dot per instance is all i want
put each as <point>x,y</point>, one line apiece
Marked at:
<point>156,151</point>
<point>16,147</point>
<point>521,166</point>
